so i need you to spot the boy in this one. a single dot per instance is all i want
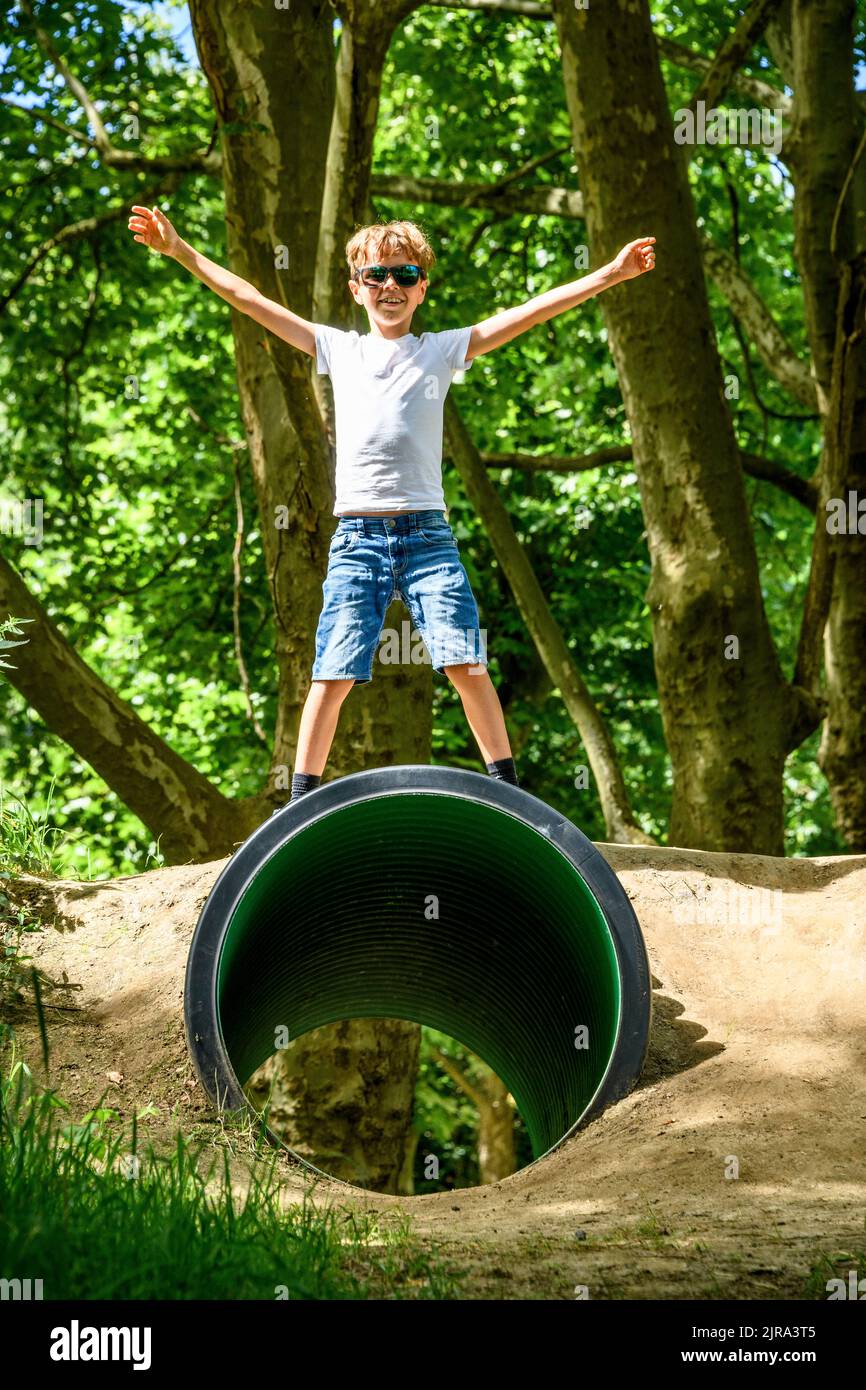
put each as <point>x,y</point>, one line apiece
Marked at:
<point>393,536</point>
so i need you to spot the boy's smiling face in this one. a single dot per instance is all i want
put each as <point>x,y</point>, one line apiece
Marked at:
<point>390,306</point>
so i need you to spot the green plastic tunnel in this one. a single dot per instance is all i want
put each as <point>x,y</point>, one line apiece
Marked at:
<point>439,896</point>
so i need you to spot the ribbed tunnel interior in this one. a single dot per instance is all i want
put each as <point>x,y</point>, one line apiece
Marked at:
<point>437,908</point>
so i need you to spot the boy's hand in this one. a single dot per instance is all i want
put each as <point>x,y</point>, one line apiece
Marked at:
<point>635,259</point>
<point>153,228</point>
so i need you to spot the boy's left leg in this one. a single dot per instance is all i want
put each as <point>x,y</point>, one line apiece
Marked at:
<point>436,589</point>
<point>484,712</point>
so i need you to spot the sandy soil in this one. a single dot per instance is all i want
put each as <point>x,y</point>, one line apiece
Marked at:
<point>737,1163</point>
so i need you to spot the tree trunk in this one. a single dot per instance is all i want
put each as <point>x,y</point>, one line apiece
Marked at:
<point>729,716</point>
<point>842,753</point>
<point>496,1156</point>
<point>495,1107</point>
<point>342,1098</point>
<point>828,238</point>
<point>820,147</point>
<point>367,29</point>
<point>406,1180</point>
<point>273,175</point>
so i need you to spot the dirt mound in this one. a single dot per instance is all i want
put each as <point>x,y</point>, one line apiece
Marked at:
<point>734,1165</point>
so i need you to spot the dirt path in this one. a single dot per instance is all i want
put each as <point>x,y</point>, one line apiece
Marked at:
<point>736,1164</point>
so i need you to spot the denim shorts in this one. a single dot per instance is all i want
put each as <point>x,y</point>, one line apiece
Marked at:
<point>371,561</point>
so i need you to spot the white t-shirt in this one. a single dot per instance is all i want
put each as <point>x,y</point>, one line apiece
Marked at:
<point>389,396</point>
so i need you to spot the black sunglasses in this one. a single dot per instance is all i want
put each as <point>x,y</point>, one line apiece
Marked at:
<point>404,275</point>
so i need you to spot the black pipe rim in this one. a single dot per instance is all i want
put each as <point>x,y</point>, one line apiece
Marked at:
<point>203,1030</point>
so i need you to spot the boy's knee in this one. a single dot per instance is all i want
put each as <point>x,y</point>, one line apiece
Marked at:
<point>334,689</point>
<point>458,674</point>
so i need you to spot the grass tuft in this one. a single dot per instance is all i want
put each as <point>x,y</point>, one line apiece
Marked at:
<point>87,1210</point>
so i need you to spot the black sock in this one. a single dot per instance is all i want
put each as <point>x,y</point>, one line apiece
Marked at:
<point>304,782</point>
<point>504,770</point>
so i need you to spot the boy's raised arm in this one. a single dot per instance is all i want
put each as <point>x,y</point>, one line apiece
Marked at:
<point>634,259</point>
<point>153,229</point>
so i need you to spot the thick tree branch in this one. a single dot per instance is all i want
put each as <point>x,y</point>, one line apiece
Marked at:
<point>531,9</point>
<point>775,351</point>
<point>193,818</point>
<point>803,490</point>
<point>556,202</point>
<point>459,1077</point>
<point>236,605</point>
<point>740,83</point>
<point>559,463</point>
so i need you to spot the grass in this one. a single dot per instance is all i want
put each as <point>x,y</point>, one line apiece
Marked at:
<point>29,844</point>
<point>26,846</point>
<point>837,1266</point>
<point>86,1209</point>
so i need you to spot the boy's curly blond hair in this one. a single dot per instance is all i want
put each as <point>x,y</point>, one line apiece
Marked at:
<point>368,244</point>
